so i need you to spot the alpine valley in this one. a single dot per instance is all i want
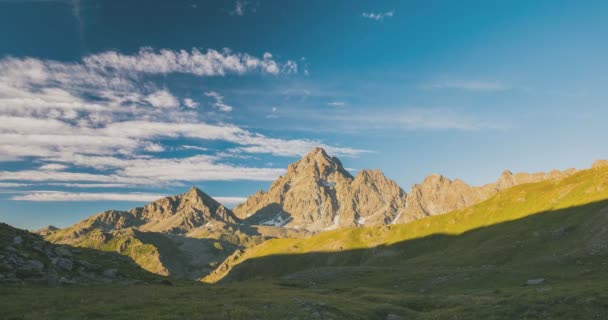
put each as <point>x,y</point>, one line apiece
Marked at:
<point>321,243</point>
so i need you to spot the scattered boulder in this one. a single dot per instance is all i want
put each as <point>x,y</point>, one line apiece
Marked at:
<point>18,240</point>
<point>35,265</point>
<point>110,273</point>
<point>64,280</point>
<point>392,316</point>
<point>63,263</point>
<point>63,251</point>
<point>535,282</point>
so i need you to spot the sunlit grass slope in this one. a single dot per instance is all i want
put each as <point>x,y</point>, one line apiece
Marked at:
<point>560,216</point>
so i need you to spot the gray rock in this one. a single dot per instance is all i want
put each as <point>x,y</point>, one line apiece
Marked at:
<point>64,280</point>
<point>39,247</point>
<point>11,249</point>
<point>110,273</point>
<point>88,265</point>
<point>17,240</point>
<point>12,260</point>
<point>63,263</point>
<point>315,315</point>
<point>392,316</point>
<point>35,265</point>
<point>63,252</point>
<point>534,282</point>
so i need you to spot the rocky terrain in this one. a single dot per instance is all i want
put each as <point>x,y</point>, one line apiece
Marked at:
<point>438,194</point>
<point>27,258</point>
<point>318,194</point>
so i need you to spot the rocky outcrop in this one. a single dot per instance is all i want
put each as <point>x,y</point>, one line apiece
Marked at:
<point>438,194</point>
<point>176,214</point>
<point>27,258</point>
<point>372,199</point>
<point>317,193</point>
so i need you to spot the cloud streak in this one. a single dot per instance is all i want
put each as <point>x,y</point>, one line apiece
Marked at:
<point>470,85</point>
<point>59,196</point>
<point>379,16</point>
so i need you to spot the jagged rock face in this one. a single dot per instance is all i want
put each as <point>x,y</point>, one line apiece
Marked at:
<point>438,194</point>
<point>177,214</point>
<point>373,199</point>
<point>317,193</point>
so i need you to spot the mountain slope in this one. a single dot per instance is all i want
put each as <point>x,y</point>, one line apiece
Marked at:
<point>571,213</point>
<point>317,194</point>
<point>26,258</point>
<point>182,236</point>
<point>438,194</point>
<point>176,214</point>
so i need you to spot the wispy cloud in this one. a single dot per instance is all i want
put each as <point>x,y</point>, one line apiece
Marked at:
<point>242,7</point>
<point>52,196</point>
<point>336,104</point>
<point>470,85</point>
<point>53,167</point>
<point>103,113</point>
<point>59,196</point>
<point>190,103</point>
<point>162,99</point>
<point>12,185</point>
<point>188,147</point>
<point>219,101</point>
<point>378,16</point>
<point>210,63</point>
<point>410,118</point>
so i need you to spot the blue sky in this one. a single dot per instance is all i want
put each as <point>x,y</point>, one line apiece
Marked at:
<point>108,104</point>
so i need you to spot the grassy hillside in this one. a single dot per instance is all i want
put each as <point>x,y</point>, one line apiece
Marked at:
<point>555,220</point>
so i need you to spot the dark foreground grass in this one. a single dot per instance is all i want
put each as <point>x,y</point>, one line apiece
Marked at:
<point>431,294</point>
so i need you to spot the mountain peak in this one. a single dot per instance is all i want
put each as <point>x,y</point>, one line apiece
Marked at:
<point>194,191</point>
<point>317,163</point>
<point>317,154</point>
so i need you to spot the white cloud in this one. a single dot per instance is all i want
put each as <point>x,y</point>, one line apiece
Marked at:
<point>194,148</point>
<point>336,104</point>
<point>211,63</point>
<point>471,85</point>
<point>53,167</point>
<point>162,99</point>
<point>55,196</point>
<point>219,101</point>
<point>89,185</point>
<point>190,103</point>
<point>12,185</point>
<point>102,114</point>
<point>52,196</point>
<point>378,16</point>
<point>410,119</point>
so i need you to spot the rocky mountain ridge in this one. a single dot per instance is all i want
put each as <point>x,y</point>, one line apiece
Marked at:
<point>318,194</point>
<point>187,235</point>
